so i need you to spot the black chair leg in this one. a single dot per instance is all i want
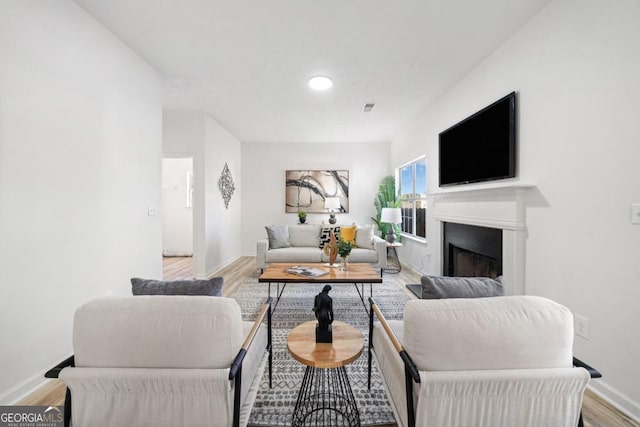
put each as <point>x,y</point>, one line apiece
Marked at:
<point>67,408</point>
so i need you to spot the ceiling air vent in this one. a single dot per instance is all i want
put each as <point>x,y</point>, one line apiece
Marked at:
<point>368,107</point>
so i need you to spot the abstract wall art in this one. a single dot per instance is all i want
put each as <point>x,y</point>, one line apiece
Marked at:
<point>226,186</point>
<point>307,189</point>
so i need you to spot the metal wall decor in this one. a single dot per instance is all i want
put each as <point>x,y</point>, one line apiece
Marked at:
<point>225,184</point>
<point>307,189</point>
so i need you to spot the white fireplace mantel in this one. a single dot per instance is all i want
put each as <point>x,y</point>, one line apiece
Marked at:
<point>495,207</point>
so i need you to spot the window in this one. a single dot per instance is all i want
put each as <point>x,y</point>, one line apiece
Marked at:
<point>413,189</point>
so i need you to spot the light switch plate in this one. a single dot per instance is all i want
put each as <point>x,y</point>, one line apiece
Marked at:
<point>635,214</point>
<point>581,326</point>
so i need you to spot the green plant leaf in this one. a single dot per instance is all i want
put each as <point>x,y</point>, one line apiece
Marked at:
<point>386,198</point>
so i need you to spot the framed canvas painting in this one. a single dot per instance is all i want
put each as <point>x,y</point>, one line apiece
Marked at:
<point>306,190</point>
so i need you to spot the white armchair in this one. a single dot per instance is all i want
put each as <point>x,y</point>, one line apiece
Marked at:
<point>485,362</point>
<point>164,361</point>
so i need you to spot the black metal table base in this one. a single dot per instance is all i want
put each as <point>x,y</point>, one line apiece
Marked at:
<point>393,262</point>
<point>360,290</point>
<point>278,294</point>
<point>325,399</point>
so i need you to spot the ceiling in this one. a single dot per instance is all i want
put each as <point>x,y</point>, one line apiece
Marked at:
<point>247,62</point>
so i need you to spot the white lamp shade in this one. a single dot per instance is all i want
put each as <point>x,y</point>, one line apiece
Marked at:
<point>391,215</point>
<point>332,203</point>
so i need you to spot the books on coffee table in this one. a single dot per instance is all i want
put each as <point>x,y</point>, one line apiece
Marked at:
<point>301,270</point>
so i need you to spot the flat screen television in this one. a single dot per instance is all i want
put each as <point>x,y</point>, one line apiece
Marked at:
<point>482,147</point>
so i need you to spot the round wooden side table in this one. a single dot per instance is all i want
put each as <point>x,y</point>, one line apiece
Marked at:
<point>325,396</point>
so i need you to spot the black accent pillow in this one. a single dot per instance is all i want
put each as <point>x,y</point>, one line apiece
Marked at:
<point>211,287</point>
<point>324,235</point>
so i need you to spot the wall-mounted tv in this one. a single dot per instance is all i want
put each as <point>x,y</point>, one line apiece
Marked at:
<point>482,147</point>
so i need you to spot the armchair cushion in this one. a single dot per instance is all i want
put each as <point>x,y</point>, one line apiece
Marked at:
<point>460,287</point>
<point>196,332</point>
<point>540,333</point>
<point>211,287</point>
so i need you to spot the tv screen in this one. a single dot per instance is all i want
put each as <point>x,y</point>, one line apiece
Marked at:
<point>482,147</point>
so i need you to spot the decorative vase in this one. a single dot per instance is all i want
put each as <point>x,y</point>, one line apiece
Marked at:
<point>333,254</point>
<point>345,263</point>
<point>302,220</point>
<point>333,248</point>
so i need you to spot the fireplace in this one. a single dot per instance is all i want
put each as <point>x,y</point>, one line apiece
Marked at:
<point>471,251</point>
<point>500,209</point>
<point>471,264</point>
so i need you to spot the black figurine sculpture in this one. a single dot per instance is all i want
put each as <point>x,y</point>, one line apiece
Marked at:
<point>323,307</point>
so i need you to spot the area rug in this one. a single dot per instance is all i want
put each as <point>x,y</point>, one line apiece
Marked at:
<point>273,407</point>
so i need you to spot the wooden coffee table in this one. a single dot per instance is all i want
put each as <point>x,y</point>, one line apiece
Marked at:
<point>325,397</point>
<point>358,274</point>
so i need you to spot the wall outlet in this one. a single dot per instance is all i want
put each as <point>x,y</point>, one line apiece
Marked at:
<point>581,326</point>
<point>151,211</point>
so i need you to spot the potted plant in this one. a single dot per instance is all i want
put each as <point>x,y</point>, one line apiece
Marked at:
<point>302,216</point>
<point>344,249</point>
<point>387,198</point>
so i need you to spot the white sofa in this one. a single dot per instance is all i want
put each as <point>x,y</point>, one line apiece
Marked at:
<point>305,246</point>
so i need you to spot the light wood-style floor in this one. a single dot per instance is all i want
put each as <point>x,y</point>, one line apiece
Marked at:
<point>596,411</point>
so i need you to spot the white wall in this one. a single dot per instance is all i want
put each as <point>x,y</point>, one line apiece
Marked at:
<point>264,167</point>
<point>80,157</point>
<point>223,225</point>
<point>216,230</point>
<point>575,67</point>
<point>177,210</point>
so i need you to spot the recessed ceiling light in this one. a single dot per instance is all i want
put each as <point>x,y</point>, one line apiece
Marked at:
<point>320,83</point>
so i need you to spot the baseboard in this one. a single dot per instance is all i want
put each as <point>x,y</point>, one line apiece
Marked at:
<point>616,399</point>
<point>215,271</point>
<point>23,389</point>
<point>177,254</point>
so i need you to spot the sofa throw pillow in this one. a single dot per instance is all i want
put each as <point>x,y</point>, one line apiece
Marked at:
<point>461,287</point>
<point>278,236</point>
<point>364,236</point>
<point>324,235</point>
<point>211,287</point>
<point>348,233</point>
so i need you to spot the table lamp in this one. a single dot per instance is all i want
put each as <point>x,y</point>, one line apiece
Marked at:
<point>332,203</point>
<point>391,216</point>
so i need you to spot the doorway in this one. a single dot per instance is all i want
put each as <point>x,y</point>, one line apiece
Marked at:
<point>177,208</point>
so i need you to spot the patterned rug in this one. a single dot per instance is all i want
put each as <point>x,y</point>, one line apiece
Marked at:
<point>273,407</point>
